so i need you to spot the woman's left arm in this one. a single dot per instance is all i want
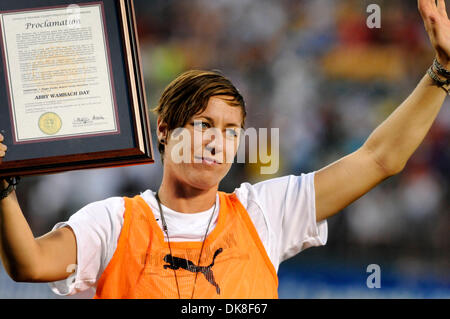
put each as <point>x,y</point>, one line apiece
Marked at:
<point>388,148</point>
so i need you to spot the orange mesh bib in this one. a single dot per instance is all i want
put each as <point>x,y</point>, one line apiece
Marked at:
<point>234,263</point>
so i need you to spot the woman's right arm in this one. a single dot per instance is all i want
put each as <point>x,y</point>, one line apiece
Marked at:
<point>29,259</point>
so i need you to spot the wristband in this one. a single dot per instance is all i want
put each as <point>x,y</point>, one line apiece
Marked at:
<point>12,184</point>
<point>440,69</point>
<point>445,85</point>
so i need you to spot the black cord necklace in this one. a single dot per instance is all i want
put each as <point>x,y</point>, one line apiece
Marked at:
<point>170,248</point>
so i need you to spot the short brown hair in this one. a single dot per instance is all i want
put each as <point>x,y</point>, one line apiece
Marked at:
<point>189,94</point>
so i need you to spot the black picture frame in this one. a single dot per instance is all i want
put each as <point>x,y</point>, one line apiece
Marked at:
<point>129,145</point>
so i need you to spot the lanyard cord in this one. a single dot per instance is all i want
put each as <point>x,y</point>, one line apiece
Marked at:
<point>170,248</point>
<point>201,249</point>
<point>168,240</point>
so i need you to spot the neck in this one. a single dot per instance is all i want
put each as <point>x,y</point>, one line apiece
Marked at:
<point>185,198</point>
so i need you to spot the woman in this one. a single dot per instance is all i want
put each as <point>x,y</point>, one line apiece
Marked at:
<point>189,240</point>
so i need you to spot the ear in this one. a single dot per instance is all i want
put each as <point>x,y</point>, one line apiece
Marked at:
<point>161,130</point>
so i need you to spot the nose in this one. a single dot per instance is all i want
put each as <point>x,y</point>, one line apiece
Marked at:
<point>214,141</point>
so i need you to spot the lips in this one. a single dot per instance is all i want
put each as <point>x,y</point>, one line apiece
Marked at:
<point>207,160</point>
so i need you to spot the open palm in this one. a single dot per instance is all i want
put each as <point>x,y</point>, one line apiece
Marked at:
<point>437,24</point>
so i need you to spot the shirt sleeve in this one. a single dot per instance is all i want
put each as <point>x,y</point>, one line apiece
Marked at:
<point>289,203</point>
<point>97,228</point>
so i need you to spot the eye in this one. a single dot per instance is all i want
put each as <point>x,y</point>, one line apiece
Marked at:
<point>200,124</point>
<point>231,132</point>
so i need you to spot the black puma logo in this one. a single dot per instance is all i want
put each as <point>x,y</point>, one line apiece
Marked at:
<point>176,263</point>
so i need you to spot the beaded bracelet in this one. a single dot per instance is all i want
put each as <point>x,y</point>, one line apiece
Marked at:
<point>440,69</point>
<point>445,85</point>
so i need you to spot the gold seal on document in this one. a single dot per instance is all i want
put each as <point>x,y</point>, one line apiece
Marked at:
<point>50,123</point>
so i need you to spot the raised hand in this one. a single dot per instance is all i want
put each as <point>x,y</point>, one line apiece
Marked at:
<point>437,24</point>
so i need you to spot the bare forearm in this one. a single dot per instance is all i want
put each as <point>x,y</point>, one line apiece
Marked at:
<point>395,140</point>
<point>18,248</point>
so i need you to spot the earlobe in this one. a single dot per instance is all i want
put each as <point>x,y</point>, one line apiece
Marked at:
<point>161,131</point>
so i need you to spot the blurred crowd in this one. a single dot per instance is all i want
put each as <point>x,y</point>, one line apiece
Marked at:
<point>313,69</point>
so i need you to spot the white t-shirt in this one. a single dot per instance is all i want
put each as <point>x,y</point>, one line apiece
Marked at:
<point>282,210</point>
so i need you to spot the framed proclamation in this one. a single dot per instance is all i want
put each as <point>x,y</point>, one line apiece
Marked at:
<point>71,87</point>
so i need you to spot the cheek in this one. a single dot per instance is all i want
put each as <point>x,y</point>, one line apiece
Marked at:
<point>197,144</point>
<point>230,150</point>
<point>180,149</point>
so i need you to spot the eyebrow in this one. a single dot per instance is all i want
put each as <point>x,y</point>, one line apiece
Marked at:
<point>212,121</point>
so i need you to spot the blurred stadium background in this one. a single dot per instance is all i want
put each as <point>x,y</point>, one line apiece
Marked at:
<point>315,70</point>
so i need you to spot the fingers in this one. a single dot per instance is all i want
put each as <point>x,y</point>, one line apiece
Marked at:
<point>429,7</point>
<point>429,12</point>
<point>3,147</point>
<point>441,8</point>
<point>426,5</point>
<point>425,8</point>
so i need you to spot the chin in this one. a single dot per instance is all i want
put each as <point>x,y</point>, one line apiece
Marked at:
<point>204,179</point>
